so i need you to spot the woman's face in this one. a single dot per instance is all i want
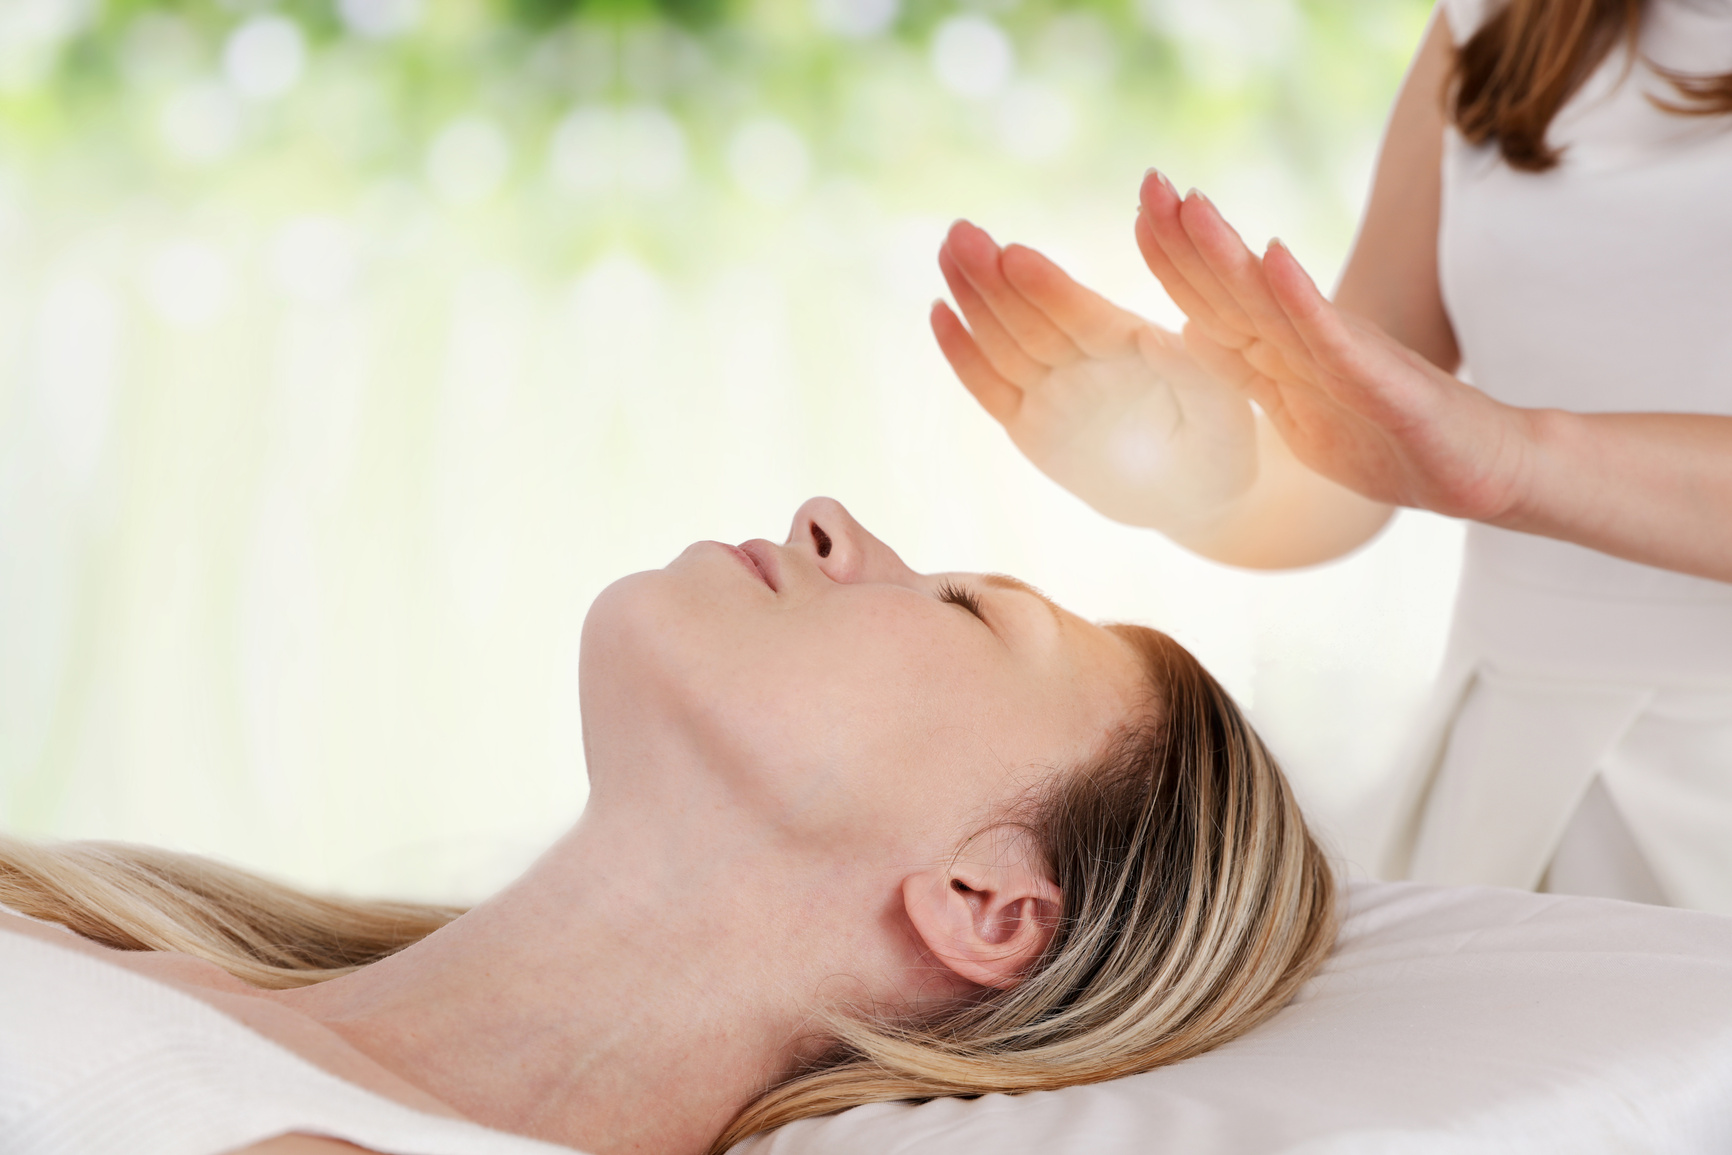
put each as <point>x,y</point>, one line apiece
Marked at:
<point>838,694</point>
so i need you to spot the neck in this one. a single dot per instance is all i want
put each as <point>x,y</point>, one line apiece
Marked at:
<point>615,999</point>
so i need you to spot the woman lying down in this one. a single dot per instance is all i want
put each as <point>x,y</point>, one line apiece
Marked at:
<point>854,834</point>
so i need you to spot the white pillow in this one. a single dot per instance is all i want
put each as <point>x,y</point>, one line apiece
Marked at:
<point>1449,1019</point>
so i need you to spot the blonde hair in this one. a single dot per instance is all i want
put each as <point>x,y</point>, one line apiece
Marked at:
<point>263,932</point>
<point>1196,903</point>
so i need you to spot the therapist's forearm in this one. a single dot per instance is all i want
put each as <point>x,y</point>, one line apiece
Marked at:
<point>1654,488</point>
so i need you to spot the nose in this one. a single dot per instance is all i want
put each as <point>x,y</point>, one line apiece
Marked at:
<point>843,549</point>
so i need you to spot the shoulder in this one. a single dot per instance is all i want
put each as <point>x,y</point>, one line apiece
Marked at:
<point>1465,16</point>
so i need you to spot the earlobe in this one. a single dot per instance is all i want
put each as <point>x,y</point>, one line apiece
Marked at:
<point>987,925</point>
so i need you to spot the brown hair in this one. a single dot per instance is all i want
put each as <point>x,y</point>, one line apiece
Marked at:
<point>1524,63</point>
<point>1195,899</point>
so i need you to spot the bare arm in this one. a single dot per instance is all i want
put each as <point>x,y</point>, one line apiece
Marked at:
<point>1362,390</point>
<point>1292,516</point>
<point>1353,402</point>
<point>1654,488</point>
<point>1391,275</point>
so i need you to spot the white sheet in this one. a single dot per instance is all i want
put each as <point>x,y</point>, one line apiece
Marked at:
<point>1462,1019</point>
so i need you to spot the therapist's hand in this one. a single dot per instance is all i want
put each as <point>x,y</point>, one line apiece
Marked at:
<point>1350,401</point>
<point>1103,402</point>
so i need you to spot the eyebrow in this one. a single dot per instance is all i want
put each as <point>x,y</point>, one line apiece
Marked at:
<point>1004,581</point>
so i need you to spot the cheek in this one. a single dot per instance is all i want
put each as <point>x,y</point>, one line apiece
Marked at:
<point>870,734</point>
<point>871,726</point>
<point>925,747</point>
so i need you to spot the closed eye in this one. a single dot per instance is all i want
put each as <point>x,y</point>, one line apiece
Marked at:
<point>960,596</point>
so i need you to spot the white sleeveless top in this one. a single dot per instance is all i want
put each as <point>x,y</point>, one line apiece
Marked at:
<point>1584,697</point>
<point>97,1059</point>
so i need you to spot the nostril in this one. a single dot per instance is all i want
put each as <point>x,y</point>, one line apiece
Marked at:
<point>821,540</point>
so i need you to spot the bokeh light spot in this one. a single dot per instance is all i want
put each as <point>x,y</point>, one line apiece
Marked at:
<point>158,47</point>
<point>31,33</point>
<point>188,284</point>
<point>972,56</point>
<point>582,157</point>
<point>468,161</point>
<point>1035,121</point>
<point>265,56</point>
<point>201,122</point>
<point>769,161</point>
<point>652,149</point>
<point>597,148</point>
<point>379,19</point>
<point>313,260</point>
<point>856,19</point>
<point>1223,42</point>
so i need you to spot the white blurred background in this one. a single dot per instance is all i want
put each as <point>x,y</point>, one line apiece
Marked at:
<point>348,350</point>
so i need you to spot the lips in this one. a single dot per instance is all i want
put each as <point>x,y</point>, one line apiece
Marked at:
<point>757,556</point>
<point>761,555</point>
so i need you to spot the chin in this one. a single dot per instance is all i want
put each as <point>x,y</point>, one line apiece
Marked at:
<point>668,661</point>
<point>616,610</point>
<point>667,632</point>
<point>620,633</point>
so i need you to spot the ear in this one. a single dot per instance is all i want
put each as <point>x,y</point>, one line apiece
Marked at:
<point>987,922</point>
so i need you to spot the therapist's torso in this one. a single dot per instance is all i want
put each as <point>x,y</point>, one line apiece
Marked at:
<point>1601,285</point>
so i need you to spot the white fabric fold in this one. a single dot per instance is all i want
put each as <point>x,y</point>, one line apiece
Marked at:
<point>1519,760</point>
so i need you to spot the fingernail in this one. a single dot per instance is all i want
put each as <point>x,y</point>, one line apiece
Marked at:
<point>1198,193</point>
<point>1274,243</point>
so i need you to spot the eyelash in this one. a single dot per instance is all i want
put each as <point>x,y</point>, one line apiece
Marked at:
<point>958,596</point>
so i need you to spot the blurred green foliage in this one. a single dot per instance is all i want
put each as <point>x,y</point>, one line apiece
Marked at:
<point>149,105</point>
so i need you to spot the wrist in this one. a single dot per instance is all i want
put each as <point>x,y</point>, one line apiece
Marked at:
<point>1544,482</point>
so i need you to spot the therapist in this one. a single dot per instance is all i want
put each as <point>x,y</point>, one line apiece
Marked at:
<point>1563,243</point>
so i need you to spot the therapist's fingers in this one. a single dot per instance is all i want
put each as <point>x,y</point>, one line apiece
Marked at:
<point>1162,209</point>
<point>1157,198</point>
<point>1276,365</point>
<point>1358,367</point>
<point>1225,364</point>
<point>997,396</point>
<point>998,346</point>
<point>1238,271</point>
<point>1094,324</point>
<point>1197,310</point>
<point>1279,400</point>
<point>979,258</point>
<point>1316,322</point>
